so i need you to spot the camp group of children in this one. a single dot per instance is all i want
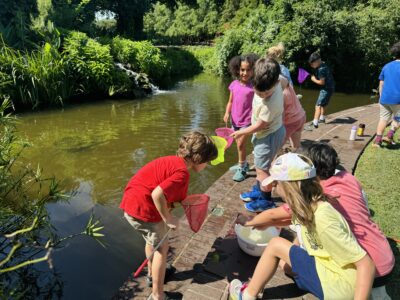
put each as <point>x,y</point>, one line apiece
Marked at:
<point>339,253</point>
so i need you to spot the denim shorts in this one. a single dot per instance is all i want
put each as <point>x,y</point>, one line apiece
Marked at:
<point>267,147</point>
<point>324,97</point>
<point>306,276</point>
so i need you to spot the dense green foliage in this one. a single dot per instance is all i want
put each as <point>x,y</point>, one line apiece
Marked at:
<point>352,36</point>
<point>87,39</point>
<point>90,62</point>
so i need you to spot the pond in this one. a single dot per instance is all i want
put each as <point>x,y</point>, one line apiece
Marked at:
<point>95,148</point>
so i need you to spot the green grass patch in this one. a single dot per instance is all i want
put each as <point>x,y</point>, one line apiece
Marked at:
<point>378,170</point>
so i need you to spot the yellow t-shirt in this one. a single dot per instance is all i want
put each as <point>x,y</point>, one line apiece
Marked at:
<point>335,250</point>
<point>269,110</point>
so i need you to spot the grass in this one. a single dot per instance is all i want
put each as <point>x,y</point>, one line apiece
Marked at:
<point>378,170</point>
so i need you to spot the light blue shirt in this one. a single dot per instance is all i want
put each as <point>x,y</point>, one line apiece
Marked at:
<point>285,72</point>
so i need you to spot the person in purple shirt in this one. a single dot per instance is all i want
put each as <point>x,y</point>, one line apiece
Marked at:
<point>239,106</point>
<point>389,102</point>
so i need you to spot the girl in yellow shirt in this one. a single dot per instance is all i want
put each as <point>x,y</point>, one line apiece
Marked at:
<point>331,265</point>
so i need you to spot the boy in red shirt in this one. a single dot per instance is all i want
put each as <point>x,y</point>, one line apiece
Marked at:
<point>151,192</point>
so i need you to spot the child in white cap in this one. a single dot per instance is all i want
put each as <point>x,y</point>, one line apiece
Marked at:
<point>332,265</point>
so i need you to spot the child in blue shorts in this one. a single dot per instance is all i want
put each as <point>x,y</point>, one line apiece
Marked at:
<point>323,77</point>
<point>332,265</point>
<point>267,129</point>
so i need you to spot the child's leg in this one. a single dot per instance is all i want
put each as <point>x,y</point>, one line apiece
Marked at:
<point>278,248</point>
<point>241,147</point>
<point>295,140</point>
<point>384,116</point>
<point>323,112</point>
<point>148,249</point>
<point>159,264</point>
<point>317,114</point>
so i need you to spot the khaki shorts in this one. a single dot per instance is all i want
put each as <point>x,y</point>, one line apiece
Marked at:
<point>386,111</point>
<point>151,232</point>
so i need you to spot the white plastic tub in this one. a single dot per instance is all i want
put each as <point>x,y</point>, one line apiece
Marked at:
<point>253,241</point>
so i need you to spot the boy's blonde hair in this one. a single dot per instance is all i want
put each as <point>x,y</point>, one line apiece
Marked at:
<point>302,197</point>
<point>276,52</point>
<point>197,148</point>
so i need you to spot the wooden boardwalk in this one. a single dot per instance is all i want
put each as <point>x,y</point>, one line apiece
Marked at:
<point>208,260</point>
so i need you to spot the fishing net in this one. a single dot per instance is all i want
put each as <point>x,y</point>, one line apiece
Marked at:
<point>303,74</point>
<point>196,209</point>
<point>225,133</point>
<point>220,143</point>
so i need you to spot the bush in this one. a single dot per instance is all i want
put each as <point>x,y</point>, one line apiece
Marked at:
<point>205,56</point>
<point>89,61</point>
<point>35,78</point>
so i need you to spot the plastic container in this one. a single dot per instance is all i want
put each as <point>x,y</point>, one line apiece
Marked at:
<point>360,130</point>
<point>353,133</point>
<point>253,241</point>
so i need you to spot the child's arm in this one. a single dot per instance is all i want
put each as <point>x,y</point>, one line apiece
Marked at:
<point>228,108</point>
<point>380,87</point>
<point>161,204</point>
<point>271,217</point>
<point>365,277</point>
<point>251,129</point>
<point>319,82</point>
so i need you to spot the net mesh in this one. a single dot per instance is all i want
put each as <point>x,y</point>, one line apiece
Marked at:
<point>225,133</point>
<point>196,209</point>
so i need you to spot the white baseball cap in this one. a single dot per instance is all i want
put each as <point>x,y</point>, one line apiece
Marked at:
<point>290,167</point>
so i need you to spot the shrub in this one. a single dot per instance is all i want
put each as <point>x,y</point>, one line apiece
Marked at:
<point>89,61</point>
<point>142,56</point>
<point>39,77</point>
<point>206,57</point>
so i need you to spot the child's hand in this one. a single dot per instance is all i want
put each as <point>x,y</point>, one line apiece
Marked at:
<point>172,222</point>
<point>313,78</point>
<point>226,118</point>
<point>237,134</point>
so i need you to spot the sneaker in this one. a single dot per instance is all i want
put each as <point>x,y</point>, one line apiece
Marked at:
<point>234,168</point>
<point>254,194</point>
<point>377,145</point>
<point>259,205</point>
<point>321,121</point>
<point>310,127</point>
<point>236,288</point>
<point>240,175</point>
<point>388,140</point>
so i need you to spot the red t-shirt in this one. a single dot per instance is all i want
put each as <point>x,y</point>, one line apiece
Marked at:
<point>168,172</point>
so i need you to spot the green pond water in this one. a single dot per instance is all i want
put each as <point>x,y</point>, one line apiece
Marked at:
<point>96,147</point>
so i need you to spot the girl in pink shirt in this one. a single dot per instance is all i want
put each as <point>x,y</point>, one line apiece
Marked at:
<point>294,116</point>
<point>240,104</point>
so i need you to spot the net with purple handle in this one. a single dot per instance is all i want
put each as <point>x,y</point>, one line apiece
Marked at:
<point>302,76</point>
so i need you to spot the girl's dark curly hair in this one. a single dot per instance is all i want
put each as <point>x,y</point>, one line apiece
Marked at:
<point>234,63</point>
<point>395,50</point>
<point>324,158</point>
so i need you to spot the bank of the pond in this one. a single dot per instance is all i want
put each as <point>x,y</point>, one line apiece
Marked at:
<point>208,260</point>
<point>378,170</point>
<point>95,147</point>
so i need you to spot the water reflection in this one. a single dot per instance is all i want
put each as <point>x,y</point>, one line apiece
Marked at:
<point>97,147</point>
